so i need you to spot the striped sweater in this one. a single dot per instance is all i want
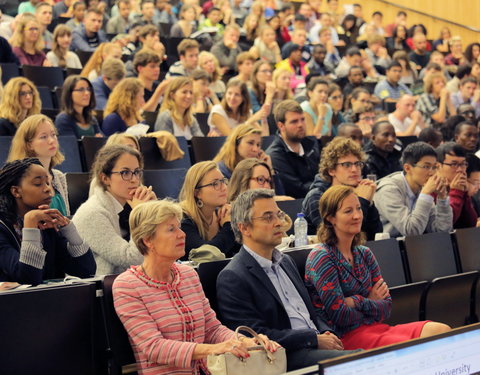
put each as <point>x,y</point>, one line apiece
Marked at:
<point>166,321</point>
<point>330,279</point>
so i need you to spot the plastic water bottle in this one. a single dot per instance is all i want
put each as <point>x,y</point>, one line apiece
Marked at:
<point>301,228</point>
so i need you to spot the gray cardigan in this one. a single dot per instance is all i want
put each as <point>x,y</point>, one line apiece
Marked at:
<point>97,222</point>
<point>399,219</point>
<point>165,122</point>
<point>60,182</point>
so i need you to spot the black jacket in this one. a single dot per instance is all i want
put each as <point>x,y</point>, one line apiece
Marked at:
<point>296,172</point>
<point>377,164</point>
<point>7,128</point>
<point>371,219</point>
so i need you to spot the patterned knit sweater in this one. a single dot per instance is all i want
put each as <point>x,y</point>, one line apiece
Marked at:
<point>166,321</point>
<point>330,279</point>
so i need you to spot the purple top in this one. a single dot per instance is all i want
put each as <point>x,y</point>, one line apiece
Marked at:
<point>27,59</point>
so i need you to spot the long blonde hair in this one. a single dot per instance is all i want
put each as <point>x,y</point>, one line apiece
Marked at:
<point>61,53</point>
<point>23,137</point>
<point>228,153</point>
<point>217,74</point>
<point>187,198</point>
<point>276,75</point>
<point>96,60</point>
<point>18,38</point>
<point>123,100</point>
<point>10,107</point>
<point>168,103</point>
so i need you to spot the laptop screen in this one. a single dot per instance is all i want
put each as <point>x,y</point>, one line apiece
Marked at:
<point>454,353</point>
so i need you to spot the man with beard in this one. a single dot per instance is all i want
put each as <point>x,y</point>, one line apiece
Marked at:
<point>420,56</point>
<point>294,156</point>
<point>383,155</point>
<point>341,164</point>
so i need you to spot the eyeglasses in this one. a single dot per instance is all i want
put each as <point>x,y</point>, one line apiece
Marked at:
<point>127,174</point>
<point>270,216</point>
<point>83,89</point>
<point>33,29</point>
<point>457,165</point>
<point>427,167</point>
<point>268,71</point>
<point>336,97</point>
<point>350,164</point>
<point>216,184</point>
<point>25,93</point>
<point>367,118</point>
<point>262,180</point>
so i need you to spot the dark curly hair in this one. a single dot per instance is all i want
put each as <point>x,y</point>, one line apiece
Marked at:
<point>338,148</point>
<point>11,174</point>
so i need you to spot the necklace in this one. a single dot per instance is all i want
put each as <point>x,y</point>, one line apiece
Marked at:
<point>171,275</point>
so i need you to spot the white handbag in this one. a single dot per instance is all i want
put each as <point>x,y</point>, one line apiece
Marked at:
<point>261,361</point>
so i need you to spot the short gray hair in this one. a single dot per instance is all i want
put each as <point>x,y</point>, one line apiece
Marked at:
<point>242,208</point>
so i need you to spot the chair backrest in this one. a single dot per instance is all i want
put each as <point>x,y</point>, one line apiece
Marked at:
<point>429,256</point>
<point>202,119</point>
<point>389,258</point>
<point>9,70</point>
<point>69,148</point>
<point>46,97</point>
<point>150,118</point>
<point>72,71</point>
<point>5,142</point>
<point>291,208</point>
<point>467,241</point>
<point>51,113</point>
<point>84,56</point>
<point>205,148</point>
<point>406,140</point>
<point>299,256</point>
<point>78,188</point>
<point>44,76</point>
<point>89,147</point>
<point>165,182</point>
<point>153,158</point>
<point>119,347</point>
<point>208,273</point>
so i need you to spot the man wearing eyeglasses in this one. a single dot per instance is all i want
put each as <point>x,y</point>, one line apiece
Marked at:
<point>453,167</point>
<point>414,201</point>
<point>341,163</point>
<point>261,287</point>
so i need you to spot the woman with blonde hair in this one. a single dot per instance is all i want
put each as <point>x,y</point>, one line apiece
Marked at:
<point>242,143</point>
<point>234,109</point>
<point>266,47</point>
<point>93,67</point>
<point>209,63</point>
<point>60,55</point>
<point>206,220</point>
<point>20,100</point>
<point>27,42</point>
<point>176,112</point>
<point>250,27</point>
<point>123,106</point>
<point>281,79</point>
<point>37,137</point>
<point>123,139</point>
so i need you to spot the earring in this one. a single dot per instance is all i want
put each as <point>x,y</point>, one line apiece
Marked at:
<point>199,203</point>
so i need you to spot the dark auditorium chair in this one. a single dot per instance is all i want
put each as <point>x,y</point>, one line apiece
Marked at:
<point>84,56</point>
<point>89,147</point>
<point>406,302</point>
<point>407,139</point>
<point>389,258</point>
<point>46,97</point>
<point>5,142</point>
<point>9,70</point>
<point>165,182</point>
<point>205,148</point>
<point>70,149</point>
<point>153,158</point>
<point>49,76</point>
<point>208,273</point>
<point>467,241</point>
<point>202,119</point>
<point>291,208</point>
<point>299,256</point>
<point>78,187</point>
<point>72,72</point>
<point>51,113</point>
<point>149,118</point>
<point>119,351</point>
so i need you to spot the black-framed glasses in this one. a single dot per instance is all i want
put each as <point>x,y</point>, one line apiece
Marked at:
<point>350,164</point>
<point>216,184</point>
<point>25,93</point>
<point>262,180</point>
<point>457,165</point>
<point>427,167</point>
<point>336,97</point>
<point>127,174</point>
<point>268,217</point>
<point>83,90</point>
